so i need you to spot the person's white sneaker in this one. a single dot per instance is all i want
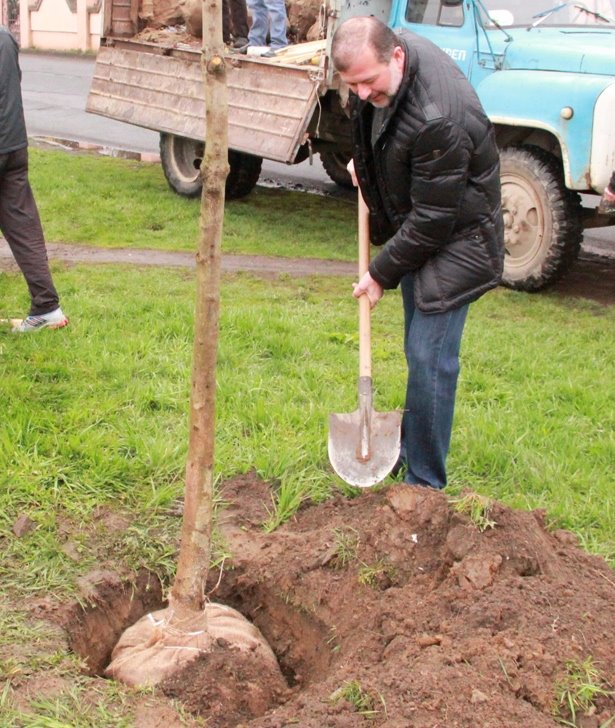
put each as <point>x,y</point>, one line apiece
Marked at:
<point>52,320</point>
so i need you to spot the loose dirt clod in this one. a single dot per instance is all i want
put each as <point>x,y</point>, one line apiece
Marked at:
<point>23,526</point>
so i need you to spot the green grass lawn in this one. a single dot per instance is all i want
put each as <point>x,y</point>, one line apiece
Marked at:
<point>117,203</point>
<point>96,414</point>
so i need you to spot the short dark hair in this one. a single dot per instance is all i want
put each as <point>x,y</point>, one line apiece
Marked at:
<point>358,32</point>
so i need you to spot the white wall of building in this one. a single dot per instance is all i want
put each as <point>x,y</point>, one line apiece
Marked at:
<point>62,25</point>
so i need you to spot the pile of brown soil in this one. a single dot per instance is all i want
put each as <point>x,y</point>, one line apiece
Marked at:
<point>171,37</point>
<point>393,606</point>
<point>391,609</point>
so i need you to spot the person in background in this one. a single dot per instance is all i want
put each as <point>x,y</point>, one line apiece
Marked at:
<point>235,23</point>
<point>19,219</point>
<point>607,202</point>
<point>426,160</point>
<point>268,16</point>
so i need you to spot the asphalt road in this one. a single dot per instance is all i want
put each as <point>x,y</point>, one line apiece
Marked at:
<point>55,89</point>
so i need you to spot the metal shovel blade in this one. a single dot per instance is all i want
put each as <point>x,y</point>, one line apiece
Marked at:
<point>364,445</point>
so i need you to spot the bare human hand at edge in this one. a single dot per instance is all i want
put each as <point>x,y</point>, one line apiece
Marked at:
<point>367,285</point>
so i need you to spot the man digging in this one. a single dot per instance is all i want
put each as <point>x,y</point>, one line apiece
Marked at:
<point>426,160</point>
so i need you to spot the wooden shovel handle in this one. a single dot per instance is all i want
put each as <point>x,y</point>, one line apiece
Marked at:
<point>365,334</point>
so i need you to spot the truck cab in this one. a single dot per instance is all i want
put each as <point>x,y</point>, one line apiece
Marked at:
<point>545,74</point>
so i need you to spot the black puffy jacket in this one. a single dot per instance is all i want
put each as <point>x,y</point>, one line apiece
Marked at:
<point>432,183</point>
<point>13,134</point>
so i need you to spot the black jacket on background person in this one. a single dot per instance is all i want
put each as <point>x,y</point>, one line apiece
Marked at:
<point>13,134</point>
<point>431,179</point>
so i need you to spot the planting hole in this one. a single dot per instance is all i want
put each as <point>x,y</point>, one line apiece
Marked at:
<point>219,678</point>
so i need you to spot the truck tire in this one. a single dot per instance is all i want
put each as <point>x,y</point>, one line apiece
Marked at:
<point>542,219</point>
<point>181,161</point>
<point>243,174</point>
<point>335,166</point>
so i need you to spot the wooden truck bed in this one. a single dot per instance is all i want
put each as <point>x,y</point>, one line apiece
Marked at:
<point>270,105</point>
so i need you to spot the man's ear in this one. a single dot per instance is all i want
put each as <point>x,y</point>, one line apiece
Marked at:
<point>398,54</point>
<point>399,58</point>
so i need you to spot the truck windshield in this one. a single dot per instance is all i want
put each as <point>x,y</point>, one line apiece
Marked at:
<point>528,13</point>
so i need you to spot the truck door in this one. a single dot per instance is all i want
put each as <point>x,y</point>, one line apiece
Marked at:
<point>450,28</point>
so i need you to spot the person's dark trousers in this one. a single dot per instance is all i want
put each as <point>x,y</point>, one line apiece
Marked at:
<point>239,18</point>
<point>234,19</point>
<point>21,226</point>
<point>431,344</point>
<point>226,22</point>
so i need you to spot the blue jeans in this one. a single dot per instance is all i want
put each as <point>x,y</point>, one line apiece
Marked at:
<point>262,12</point>
<point>431,343</point>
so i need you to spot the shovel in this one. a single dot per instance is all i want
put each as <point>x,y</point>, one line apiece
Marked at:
<point>364,445</point>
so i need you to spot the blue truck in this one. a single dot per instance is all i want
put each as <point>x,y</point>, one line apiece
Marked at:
<point>544,71</point>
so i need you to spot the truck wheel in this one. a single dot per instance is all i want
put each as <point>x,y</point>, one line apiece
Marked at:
<point>181,162</point>
<point>243,174</point>
<point>542,219</point>
<point>335,166</point>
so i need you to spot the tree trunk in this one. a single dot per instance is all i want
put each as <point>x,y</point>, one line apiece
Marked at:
<point>187,593</point>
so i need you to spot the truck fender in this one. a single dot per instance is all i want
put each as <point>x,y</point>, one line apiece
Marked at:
<point>555,103</point>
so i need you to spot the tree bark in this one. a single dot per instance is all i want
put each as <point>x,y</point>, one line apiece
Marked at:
<point>188,591</point>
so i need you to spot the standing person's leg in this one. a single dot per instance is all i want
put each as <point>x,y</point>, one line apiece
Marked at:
<point>260,23</point>
<point>277,13</point>
<point>431,343</point>
<point>239,19</point>
<point>607,202</point>
<point>21,226</point>
<point>226,22</point>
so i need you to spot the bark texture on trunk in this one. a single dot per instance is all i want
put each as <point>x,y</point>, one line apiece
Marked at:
<point>187,593</point>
